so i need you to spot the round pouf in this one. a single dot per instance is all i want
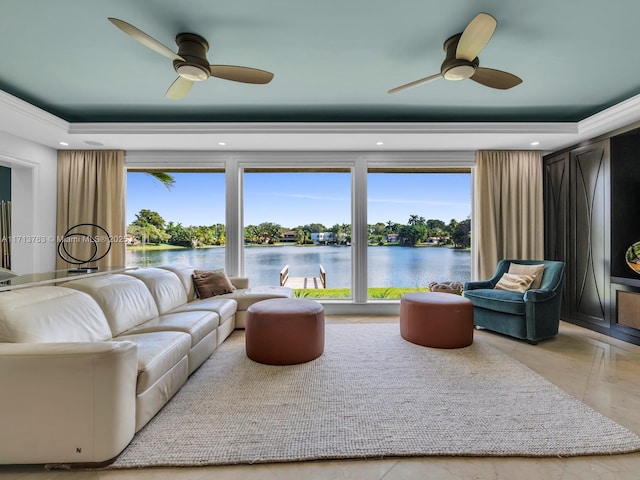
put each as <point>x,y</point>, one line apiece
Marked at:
<point>440,320</point>
<point>284,331</point>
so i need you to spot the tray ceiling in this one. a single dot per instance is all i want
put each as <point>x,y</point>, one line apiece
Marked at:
<point>333,61</point>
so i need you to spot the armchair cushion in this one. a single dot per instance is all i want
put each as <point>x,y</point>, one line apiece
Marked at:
<point>515,283</point>
<point>507,301</point>
<point>534,270</point>
<point>477,285</point>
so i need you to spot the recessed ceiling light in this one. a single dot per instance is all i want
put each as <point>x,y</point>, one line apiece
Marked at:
<point>222,144</point>
<point>533,144</point>
<point>379,143</point>
<point>64,144</point>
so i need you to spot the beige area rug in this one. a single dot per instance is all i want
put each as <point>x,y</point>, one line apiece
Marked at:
<point>370,395</point>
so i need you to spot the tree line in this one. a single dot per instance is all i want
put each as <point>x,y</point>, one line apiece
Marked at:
<point>150,227</point>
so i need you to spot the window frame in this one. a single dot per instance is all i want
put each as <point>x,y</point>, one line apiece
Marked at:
<point>359,163</point>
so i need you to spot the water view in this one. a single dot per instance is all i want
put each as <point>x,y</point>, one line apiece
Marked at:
<point>394,266</point>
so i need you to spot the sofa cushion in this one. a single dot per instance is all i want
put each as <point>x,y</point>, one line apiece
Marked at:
<point>158,352</point>
<point>197,324</point>
<point>505,301</point>
<point>249,296</point>
<point>185,274</point>
<point>51,314</point>
<point>239,282</point>
<point>165,287</point>
<point>224,307</point>
<point>209,283</point>
<point>125,300</point>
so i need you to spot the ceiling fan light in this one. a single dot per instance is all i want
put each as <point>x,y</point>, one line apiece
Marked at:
<point>194,73</point>
<point>459,72</point>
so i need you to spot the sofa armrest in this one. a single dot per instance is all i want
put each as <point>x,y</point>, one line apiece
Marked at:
<point>239,282</point>
<point>66,402</point>
<point>478,285</point>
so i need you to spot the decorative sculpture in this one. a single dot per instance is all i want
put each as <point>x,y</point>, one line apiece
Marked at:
<point>80,248</point>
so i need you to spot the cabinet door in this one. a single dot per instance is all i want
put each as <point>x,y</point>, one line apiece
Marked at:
<point>590,233</point>
<point>556,202</point>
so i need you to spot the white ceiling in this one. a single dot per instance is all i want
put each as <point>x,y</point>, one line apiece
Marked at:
<point>26,121</point>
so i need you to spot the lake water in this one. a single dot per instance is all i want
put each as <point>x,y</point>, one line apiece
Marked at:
<point>388,266</point>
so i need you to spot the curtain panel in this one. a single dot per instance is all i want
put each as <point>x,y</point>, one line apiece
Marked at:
<point>509,208</point>
<point>91,207</point>
<point>5,232</point>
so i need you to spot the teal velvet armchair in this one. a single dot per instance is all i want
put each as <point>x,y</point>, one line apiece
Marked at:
<point>532,316</point>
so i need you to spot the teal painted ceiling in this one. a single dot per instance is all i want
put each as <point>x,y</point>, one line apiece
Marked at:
<point>333,60</point>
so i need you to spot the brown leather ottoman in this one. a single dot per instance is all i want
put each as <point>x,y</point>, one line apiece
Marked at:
<point>284,331</point>
<point>440,320</point>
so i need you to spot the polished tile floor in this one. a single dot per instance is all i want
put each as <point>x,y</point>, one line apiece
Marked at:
<point>601,371</point>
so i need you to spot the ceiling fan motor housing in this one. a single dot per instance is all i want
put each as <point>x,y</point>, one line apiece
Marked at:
<point>193,48</point>
<point>457,68</point>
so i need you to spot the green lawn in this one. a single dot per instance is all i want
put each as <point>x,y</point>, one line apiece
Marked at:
<point>161,246</point>
<point>380,292</point>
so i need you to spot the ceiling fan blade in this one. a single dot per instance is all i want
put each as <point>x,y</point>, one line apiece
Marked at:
<point>240,74</point>
<point>476,36</point>
<point>179,88</point>
<point>495,78</point>
<point>414,83</point>
<point>145,39</point>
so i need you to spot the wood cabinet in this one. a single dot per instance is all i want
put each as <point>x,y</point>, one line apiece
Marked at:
<point>556,203</point>
<point>589,233</point>
<point>577,230</point>
<point>580,214</point>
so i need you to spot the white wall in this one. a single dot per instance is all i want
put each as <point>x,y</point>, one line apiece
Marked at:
<point>33,192</point>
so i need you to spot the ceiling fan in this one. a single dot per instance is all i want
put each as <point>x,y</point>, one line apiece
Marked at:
<point>461,61</point>
<point>190,63</point>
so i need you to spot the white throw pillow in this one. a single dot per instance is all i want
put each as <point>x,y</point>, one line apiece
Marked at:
<point>533,270</point>
<point>513,282</point>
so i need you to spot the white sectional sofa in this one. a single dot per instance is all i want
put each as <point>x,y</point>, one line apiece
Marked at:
<point>243,295</point>
<point>85,365</point>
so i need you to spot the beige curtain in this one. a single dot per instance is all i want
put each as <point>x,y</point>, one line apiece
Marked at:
<point>91,191</point>
<point>509,208</point>
<point>5,232</point>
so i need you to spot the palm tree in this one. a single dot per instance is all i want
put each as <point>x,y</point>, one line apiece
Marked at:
<point>163,177</point>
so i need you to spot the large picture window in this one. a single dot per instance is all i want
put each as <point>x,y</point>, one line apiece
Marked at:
<point>297,230</point>
<point>349,229</point>
<point>419,229</point>
<point>176,217</point>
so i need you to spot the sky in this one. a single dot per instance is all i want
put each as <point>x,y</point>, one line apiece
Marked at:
<point>292,199</point>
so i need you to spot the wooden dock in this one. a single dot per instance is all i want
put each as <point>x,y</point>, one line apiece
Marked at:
<point>309,283</point>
